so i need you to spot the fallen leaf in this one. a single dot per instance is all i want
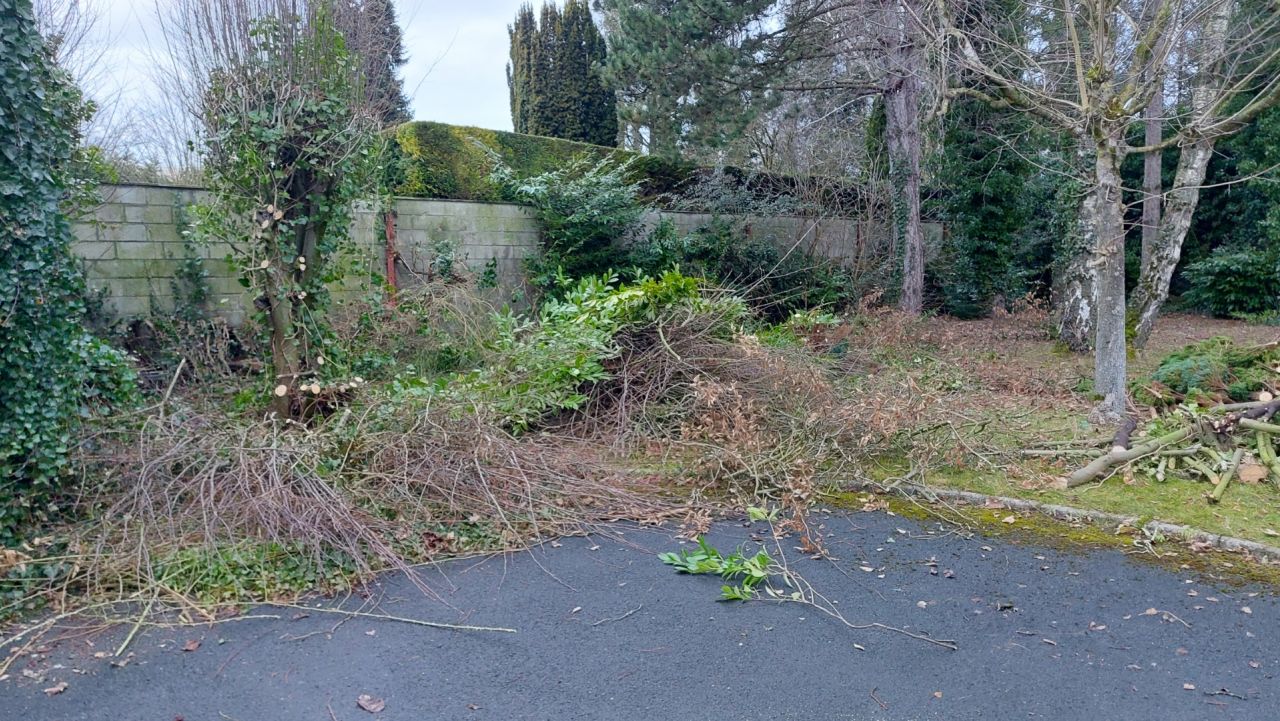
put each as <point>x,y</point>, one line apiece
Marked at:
<point>473,707</point>
<point>371,632</point>
<point>1181,651</point>
<point>1189,686</point>
<point>1150,612</point>
<point>1009,519</point>
<point>1246,610</point>
<point>191,644</point>
<point>1255,664</point>
<point>369,703</point>
<point>922,604</point>
<point>867,569</point>
<point>56,689</point>
<point>1252,472</point>
<point>937,694</point>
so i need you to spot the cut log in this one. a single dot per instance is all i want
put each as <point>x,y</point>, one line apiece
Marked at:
<point>1105,463</point>
<point>1221,488</point>
<point>1121,440</point>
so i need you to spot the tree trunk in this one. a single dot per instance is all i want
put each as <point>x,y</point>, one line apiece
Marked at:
<point>903,120</point>
<point>902,130</point>
<point>1151,180</point>
<point>1110,356</point>
<point>1193,161</point>
<point>285,360</point>
<point>1075,279</point>
<point>1159,263</point>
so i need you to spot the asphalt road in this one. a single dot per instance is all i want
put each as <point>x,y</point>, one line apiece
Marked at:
<point>605,631</point>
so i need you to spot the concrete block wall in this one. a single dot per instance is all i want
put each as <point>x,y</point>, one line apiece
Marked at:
<point>132,244</point>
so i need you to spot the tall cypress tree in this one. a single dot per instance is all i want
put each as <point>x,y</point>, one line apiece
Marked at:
<point>523,34</point>
<point>553,75</point>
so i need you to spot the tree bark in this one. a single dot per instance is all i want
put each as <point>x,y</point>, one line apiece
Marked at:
<point>902,129</point>
<point>1193,162</point>
<point>1151,175</point>
<point>903,115</point>
<point>1159,263</point>
<point>1110,356</point>
<point>1075,279</point>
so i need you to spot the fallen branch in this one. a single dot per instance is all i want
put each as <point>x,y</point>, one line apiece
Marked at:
<point>1110,460</point>
<point>1221,488</point>
<point>618,618</point>
<point>1121,440</point>
<point>397,619</point>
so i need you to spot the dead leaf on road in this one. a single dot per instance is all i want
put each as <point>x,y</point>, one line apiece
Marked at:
<point>56,689</point>
<point>191,644</point>
<point>1009,519</point>
<point>369,703</point>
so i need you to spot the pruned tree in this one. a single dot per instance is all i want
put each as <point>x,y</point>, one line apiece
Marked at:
<point>287,127</point>
<point>1091,69</point>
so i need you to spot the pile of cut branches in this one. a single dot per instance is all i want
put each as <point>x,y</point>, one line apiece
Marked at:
<point>1217,445</point>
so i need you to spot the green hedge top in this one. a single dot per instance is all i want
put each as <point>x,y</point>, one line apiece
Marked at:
<point>448,162</point>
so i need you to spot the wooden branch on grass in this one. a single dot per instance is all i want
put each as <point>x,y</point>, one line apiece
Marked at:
<point>1104,463</point>
<point>1221,488</point>
<point>1121,440</point>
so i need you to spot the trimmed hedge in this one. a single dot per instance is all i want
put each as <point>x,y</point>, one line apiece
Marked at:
<point>436,160</point>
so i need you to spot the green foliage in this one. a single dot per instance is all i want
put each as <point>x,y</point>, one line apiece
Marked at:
<point>253,571</point>
<point>554,85</point>
<point>583,209</point>
<point>1216,368</point>
<point>287,150</point>
<point>537,368</point>
<point>680,68</point>
<point>52,372</point>
<point>1232,281</point>
<point>774,283</point>
<point>744,574</point>
<point>985,209</point>
<point>456,162</point>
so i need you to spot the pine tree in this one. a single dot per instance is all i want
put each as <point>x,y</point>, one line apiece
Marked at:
<point>553,75</point>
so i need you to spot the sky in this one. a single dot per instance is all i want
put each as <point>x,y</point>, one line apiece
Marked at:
<point>457,53</point>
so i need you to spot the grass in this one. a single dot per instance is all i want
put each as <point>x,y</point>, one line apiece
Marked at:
<point>1020,391</point>
<point>1247,511</point>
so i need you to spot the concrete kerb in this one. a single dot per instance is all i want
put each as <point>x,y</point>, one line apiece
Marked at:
<point>1230,544</point>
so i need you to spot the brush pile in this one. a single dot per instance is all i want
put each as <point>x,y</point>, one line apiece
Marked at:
<point>1212,404</point>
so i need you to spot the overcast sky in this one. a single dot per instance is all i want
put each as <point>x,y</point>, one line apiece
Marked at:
<point>457,56</point>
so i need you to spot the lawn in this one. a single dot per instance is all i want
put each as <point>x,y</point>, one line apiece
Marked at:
<point>1001,386</point>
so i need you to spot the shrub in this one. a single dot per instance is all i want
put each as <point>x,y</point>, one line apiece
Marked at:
<point>774,283</point>
<point>541,367</point>
<point>1229,282</point>
<point>584,209</point>
<point>52,372</point>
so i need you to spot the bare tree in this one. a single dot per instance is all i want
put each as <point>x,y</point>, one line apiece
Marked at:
<point>1091,69</point>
